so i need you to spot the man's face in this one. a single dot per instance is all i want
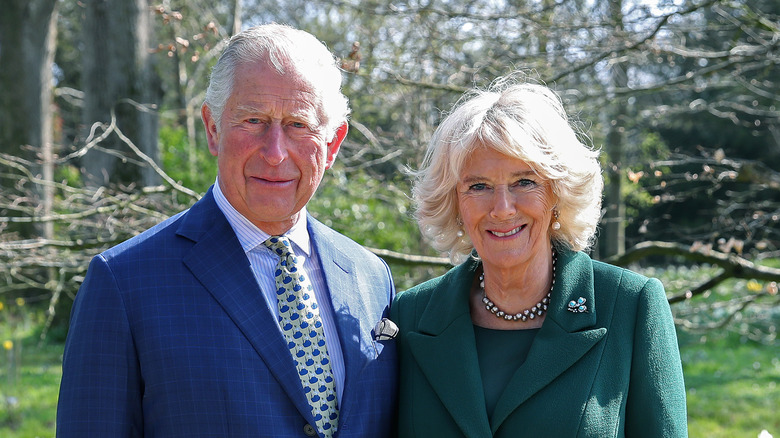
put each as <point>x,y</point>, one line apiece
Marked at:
<point>270,145</point>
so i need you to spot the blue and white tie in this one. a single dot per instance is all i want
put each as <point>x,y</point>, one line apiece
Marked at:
<point>299,317</point>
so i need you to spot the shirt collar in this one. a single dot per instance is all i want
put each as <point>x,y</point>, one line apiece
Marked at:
<point>250,236</point>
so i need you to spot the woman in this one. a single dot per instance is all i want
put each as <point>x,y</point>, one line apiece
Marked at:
<point>528,336</point>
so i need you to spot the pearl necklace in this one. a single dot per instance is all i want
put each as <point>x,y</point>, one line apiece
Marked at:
<point>525,315</point>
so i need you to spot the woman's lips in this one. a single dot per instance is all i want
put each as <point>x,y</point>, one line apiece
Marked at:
<point>511,232</point>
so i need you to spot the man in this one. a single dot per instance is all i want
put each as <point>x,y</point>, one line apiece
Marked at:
<point>194,327</point>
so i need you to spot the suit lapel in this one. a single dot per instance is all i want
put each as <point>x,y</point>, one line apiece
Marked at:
<point>565,336</point>
<point>444,349</point>
<point>219,263</point>
<point>349,306</point>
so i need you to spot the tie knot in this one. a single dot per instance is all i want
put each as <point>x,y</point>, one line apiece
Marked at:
<point>280,245</point>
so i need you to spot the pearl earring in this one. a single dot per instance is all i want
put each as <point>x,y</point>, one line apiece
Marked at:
<point>556,225</point>
<point>459,233</point>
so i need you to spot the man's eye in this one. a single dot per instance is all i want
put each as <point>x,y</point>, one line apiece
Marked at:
<point>298,125</point>
<point>253,120</point>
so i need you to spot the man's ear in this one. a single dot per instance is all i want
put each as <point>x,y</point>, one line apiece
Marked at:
<point>335,144</point>
<point>211,129</point>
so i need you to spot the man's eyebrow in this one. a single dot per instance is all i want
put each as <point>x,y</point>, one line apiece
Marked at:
<point>301,112</point>
<point>248,109</point>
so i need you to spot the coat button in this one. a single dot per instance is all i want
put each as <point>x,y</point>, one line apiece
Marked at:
<point>309,430</point>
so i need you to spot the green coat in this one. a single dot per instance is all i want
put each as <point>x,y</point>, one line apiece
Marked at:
<point>613,371</point>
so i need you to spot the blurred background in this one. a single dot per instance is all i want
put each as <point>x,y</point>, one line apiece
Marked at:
<point>101,137</point>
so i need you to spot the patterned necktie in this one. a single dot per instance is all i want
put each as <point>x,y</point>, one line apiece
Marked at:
<point>299,317</point>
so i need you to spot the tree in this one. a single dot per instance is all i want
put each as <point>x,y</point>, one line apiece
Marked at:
<point>690,86</point>
<point>119,83</point>
<point>27,36</point>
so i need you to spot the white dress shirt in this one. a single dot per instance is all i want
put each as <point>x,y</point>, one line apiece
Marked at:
<point>263,263</point>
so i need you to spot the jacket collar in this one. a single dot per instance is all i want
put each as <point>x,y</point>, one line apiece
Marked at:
<point>220,264</point>
<point>218,261</point>
<point>446,336</point>
<point>352,309</point>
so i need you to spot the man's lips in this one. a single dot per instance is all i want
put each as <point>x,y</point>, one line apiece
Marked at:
<point>274,180</point>
<point>511,232</point>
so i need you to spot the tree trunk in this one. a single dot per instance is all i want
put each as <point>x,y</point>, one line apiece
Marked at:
<point>118,76</point>
<point>27,45</point>
<point>614,237</point>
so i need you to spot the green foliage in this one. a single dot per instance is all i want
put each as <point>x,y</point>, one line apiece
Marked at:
<point>29,374</point>
<point>191,165</point>
<point>375,212</point>
<point>68,175</point>
<point>746,309</point>
<point>650,147</point>
<point>32,410</point>
<point>730,362</point>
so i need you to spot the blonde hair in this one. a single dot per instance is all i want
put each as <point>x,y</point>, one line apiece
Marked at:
<point>521,120</point>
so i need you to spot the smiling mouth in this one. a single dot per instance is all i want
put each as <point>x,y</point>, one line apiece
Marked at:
<point>274,180</point>
<point>508,233</point>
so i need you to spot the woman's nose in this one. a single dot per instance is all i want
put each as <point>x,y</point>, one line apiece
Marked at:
<point>503,203</point>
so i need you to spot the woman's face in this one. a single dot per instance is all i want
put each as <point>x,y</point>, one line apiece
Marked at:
<point>505,207</point>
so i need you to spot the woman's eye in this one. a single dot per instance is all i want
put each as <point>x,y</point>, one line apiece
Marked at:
<point>526,183</point>
<point>478,186</point>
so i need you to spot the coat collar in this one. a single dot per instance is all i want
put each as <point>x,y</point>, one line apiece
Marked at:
<point>218,261</point>
<point>220,264</point>
<point>446,336</point>
<point>351,307</point>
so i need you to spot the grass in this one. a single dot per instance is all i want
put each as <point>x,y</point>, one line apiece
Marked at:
<point>34,385</point>
<point>731,385</point>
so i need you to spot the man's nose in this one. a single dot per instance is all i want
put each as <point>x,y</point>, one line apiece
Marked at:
<point>274,147</point>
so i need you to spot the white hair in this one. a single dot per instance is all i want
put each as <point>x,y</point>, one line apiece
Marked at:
<point>521,120</point>
<point>282,47</point>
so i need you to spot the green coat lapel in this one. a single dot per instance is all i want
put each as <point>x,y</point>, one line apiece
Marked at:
<point>565,336</point>
<point>444,346</point>
<point>444,349</point>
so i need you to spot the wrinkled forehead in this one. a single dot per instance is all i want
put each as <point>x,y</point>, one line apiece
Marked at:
<point>291,86</point>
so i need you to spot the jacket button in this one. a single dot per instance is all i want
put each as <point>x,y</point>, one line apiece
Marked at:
<point>309,430</point>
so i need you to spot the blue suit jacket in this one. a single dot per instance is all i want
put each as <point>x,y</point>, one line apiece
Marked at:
<point>170,336</point>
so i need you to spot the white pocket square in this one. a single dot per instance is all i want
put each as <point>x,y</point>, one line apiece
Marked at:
<point>385,330</point>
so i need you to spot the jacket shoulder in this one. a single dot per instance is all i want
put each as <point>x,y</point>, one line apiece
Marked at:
<point>409,304</point>
<point>334,239</point>
<point>420,293</point>
<point>180,231</point>
<point>151,239</point>
<point>625,283</point>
